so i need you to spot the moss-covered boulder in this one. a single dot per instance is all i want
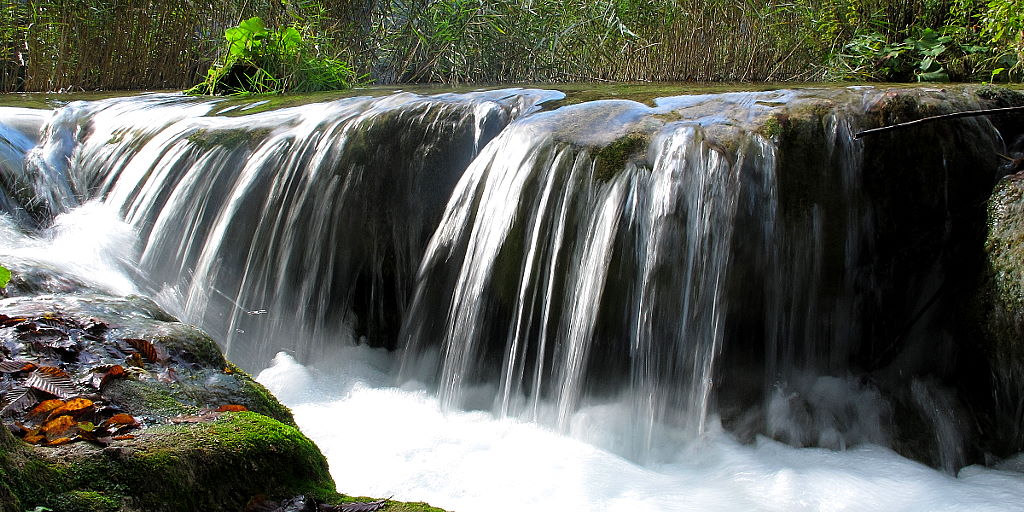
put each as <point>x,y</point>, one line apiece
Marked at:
<point>1002,299</point>
<point>181,453</point>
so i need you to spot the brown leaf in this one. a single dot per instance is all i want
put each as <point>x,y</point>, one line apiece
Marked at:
<point>16,366</point>
<point>95,328</point>
<point>119,419</point>
<point>56,383</point>
<point>34,438</point>
<point>59,426</point>
<point>232,408</point>
<point>7,321</point>
<point>45,407</point>
<point>59,441</point>
<point>74,407</point>
<point>17,400</point>
<point>52,371</point>
<point>123,438</point>
<point>145,348</point>
<point>102,374</point>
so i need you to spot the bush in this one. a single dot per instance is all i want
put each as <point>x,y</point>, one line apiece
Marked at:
<point>261,60</point>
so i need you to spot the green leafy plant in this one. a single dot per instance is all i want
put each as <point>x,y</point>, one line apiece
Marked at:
<point>5,277</point>
<point>261,60</point>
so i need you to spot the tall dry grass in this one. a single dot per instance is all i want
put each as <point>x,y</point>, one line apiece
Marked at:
<point>136,44</point>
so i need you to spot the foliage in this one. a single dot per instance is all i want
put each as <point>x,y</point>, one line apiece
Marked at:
<point>93,44</point>
<point>5,276</point>
<point>266,60</point>
<point>975,42</point>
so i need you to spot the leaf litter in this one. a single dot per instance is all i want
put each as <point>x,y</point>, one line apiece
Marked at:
<point>43,402</point>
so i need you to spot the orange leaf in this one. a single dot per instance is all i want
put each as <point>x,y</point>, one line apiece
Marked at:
<point>58,426</point>
<point>232,408</point>
<point>7,321</point>
<point>102,374</point>
<point>119,419</point>
<point>123,438</point>
<point>34,439</point>
<point>74,407</point>
<point>52,371</point>
<point>59,441</point>
<point>44,407</point>
<point>16,366</point>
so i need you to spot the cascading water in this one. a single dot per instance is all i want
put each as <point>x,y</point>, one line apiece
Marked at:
<point>627,275</point>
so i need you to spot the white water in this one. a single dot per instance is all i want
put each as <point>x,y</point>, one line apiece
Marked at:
<point>383,441</point>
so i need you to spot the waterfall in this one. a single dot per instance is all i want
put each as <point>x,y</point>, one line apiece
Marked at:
<point>280,229</point>
<point>536,257</point>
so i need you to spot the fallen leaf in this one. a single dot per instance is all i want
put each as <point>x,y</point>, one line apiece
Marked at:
<point>123,438</point>
<point>11,321</point>
<point>74,407</point>
<point>34,438</point>
<point>56,383</point>
<point>18,399</point>
<point>58,426</point>
<point>59,441</point>
<point>231,408</point>
<point>16,366</point>
<point>145,348</point>
<point>45,407</point>
<point>102,374</point>
<point>52,371</point>
<point>120,419</point>
<point>26,327</point>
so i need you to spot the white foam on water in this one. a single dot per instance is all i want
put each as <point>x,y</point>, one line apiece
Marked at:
<point>90,243</point>
<point>383,441</point>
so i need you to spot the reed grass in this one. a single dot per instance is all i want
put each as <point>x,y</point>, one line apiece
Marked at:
<point>53,45</point>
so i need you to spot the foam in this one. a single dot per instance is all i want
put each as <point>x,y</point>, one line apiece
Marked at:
<point>383,441</point>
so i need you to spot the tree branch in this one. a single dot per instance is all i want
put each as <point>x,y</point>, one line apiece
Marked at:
<point>969,113</point>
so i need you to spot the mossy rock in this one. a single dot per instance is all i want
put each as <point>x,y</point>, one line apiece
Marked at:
<point>212,465</point>
<point>1001,305</point>
<point>182,458</point>
<point>611,159</point>
<point>209,465</point>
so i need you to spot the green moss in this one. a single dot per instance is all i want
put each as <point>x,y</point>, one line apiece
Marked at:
<point>216,465</point>
<point>1000,96</point>
<point>771,127</point>
<point>393,506</point>
<point>260,398</point>
<point>145,398</point>
<point>1005,252</point>
<point>86,501</point>
<point>191,344</point>
<point>611,159</point>
<point>208,139</point>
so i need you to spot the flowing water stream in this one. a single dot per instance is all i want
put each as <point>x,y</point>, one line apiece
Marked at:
<point>511,299</point>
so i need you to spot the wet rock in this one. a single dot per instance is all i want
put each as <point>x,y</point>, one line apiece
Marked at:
<point>1002,298</point>
<point>183,454</point>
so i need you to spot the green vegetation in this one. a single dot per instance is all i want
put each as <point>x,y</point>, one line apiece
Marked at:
<point>275,45</point>
<point>267,60</point>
